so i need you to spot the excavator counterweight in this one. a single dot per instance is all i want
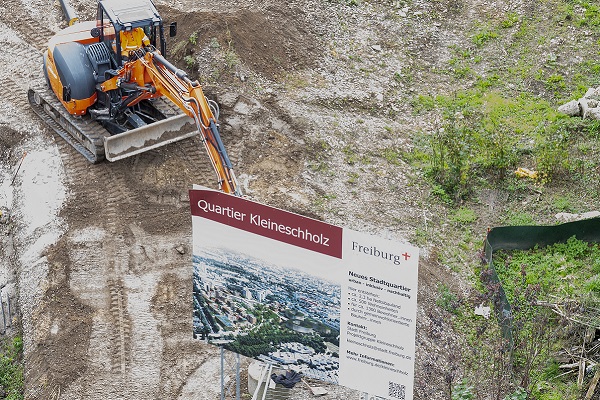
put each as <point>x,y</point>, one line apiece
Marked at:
<point>111,93</point>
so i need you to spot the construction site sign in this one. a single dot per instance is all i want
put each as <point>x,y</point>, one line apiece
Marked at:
<point>329,303</point>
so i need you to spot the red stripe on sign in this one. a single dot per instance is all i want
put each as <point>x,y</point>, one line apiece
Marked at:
<point>267,221</point>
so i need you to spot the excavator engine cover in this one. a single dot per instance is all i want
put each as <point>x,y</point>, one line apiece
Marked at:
<point>75,70</point>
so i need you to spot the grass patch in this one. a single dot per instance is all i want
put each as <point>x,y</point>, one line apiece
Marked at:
<point>553,268</point>
<point>581,14</point>
<point>482,137</point>
<point>565,274</point>
<point>391,155</point>
<point>519,218</point>
<point>193,39</point>
<point>486,135</point>
<point>190,62</point>
<point>447,300</point>
<point>510,20</point>
<point>463,215</point>
<point>483,36</point>
<point>11,368</point>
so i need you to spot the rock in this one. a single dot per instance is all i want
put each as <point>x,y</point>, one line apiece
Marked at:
<point>585,105</point>
<point>592,93</point>
<point>228,99</point>
<point>376,47</point>
<point>571,108</point>
<point>594,113</point>
<point>590,214</point>
<point>482,310</point>
<point>180,249</point>
<point>245,106</point>
<point>568,217</point>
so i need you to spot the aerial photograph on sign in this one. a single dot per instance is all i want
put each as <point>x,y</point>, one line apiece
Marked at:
<point>268,311</point>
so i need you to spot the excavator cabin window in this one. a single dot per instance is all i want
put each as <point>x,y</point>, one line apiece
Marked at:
<point>129,28</point>
<point>132,40</point>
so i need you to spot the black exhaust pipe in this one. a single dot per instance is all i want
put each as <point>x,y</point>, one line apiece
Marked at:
<point>70,14</point>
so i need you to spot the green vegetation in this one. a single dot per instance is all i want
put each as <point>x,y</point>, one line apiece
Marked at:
<point>590,17</point>
<point>519,394</point>
<point>214,43</point>
<point>554,294</point>
<point>518,218</point>
<point>463,215</point>
<point>505,116</point>
<point>447,300</point>
<point>353,177</point>
<point>231,59</point>
<point>11,368</point>
<point>193,39</point>
<point>510,20</point>
<point>486,135</point>
<point>351,157</point>
<point>484,36</point>
<point>553,268</point>
<point>499,113</point>
<point>190,61</point>
<point>391,155</point>
<point>462,391</point>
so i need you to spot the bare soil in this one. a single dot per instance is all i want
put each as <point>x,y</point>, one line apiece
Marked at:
<point>308,103</point>
<point>271,41</point>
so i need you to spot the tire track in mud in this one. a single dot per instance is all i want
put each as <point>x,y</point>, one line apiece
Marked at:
<point>121,345</point>
<point>25,26</point>
<point>17,94</point>
<point>100,198</point>
<point>108,195</point>
<point>193,151</point>
<point>111,196</point>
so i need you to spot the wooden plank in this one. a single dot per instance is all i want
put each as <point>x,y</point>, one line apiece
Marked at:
<point>581,374</point>
<point>593,385</point>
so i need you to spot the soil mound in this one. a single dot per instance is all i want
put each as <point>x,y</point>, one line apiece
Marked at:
<point>270,43</point>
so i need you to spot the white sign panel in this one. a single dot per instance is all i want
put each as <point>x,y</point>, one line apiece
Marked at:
<point>330,303</point>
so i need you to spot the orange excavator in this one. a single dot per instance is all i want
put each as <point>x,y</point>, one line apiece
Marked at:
<point>111,93</point>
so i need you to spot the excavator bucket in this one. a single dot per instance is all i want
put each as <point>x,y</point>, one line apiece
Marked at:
<point>149,137</point>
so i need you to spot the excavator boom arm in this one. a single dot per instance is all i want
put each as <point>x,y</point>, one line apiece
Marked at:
<point>174,83</point>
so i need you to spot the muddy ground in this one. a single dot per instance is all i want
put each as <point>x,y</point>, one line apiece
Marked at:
<point>307,95</point>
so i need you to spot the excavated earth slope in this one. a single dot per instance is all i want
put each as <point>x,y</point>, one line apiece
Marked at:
<point>102,253</point>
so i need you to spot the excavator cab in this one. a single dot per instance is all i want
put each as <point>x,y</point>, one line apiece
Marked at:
<point>125,26</point>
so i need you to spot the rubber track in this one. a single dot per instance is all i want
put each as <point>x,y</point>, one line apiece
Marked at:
<point>86,137</point>
<point>83,134</point>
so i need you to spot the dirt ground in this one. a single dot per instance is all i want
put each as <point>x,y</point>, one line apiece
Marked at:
<point>104,274</point>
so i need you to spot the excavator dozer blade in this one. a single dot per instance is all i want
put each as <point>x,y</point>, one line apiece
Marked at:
<point>149,137</point>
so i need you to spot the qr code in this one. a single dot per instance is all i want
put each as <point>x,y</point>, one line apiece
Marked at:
<point>398,391</point>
